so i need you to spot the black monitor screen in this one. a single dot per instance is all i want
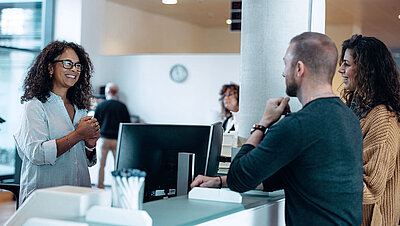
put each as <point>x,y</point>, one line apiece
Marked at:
<point>154,149</point>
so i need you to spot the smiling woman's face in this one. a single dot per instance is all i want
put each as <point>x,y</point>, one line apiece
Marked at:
<point>348,70</point>
<point>65,78</point>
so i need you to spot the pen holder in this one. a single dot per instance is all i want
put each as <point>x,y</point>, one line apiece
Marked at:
<point>128,188</point>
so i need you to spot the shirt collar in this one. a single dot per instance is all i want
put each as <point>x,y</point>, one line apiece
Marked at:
<point>54,97</point>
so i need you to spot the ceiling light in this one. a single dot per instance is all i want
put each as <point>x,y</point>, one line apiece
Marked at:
<point>169,2</point>
<point>228,21</point>
<point>398,16</point>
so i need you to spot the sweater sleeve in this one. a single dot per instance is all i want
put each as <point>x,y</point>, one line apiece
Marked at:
<point>379,155</point>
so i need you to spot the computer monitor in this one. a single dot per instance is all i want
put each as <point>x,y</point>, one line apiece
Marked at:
<point>154,148</point>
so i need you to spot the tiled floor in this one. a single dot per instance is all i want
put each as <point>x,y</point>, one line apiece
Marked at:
<point>7,206</point>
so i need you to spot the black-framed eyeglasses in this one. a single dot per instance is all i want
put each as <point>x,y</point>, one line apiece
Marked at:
<point>68,64</point>
<point>227,95</point>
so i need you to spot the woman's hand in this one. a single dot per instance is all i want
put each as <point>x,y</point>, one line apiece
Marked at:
<point>88,129</point>
<point>91,142</point>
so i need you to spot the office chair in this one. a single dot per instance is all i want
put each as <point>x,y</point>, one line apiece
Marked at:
<point>14,187</point>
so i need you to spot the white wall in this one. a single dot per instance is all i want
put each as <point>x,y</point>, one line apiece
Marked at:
<point>149,92</point>
<point>67,20</point>
<point>93,26</point>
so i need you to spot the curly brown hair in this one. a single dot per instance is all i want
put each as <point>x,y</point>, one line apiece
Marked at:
<point>38,83</point>
<point>235,89</point>
<point>377,77</point>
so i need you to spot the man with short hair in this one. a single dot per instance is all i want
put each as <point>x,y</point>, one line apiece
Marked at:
<point>109,113</point>
<point>315,154</point>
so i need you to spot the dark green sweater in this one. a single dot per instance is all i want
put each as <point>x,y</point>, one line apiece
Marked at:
<point>315,155</point>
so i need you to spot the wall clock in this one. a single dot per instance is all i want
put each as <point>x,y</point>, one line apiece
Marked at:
<point>178,73</point>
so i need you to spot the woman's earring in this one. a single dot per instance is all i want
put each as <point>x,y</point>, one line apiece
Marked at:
<point>51,75</point>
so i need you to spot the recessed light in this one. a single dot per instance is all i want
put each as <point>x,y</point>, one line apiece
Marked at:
<point>169,2</point>
<point>228,21</point>
<point>398,16</point>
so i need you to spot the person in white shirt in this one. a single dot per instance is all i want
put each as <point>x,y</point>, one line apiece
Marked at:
<point>56,140</point>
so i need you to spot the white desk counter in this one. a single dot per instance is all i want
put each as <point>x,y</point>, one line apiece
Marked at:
<point>71,204</point>
<point>255,209</point>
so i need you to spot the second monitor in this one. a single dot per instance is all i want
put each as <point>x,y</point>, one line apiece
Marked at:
<point>154,148</point>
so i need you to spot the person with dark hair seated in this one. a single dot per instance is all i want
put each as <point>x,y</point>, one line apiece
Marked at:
<point>56,140</point>
<point>372,90</point>
<point>229,106</point>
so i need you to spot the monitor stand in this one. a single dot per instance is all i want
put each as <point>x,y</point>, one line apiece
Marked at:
<point>186,163</point>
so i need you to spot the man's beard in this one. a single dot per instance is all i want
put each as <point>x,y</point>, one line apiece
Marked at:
<point>291,88</point>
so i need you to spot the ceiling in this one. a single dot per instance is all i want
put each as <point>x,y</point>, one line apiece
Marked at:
<point>374,17</point>
<point>205,13</point>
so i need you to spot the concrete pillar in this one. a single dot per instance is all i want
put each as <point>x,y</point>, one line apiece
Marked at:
<point>267,27</point>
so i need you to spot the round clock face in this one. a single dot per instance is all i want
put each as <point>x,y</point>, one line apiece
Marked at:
<point>178,73</point>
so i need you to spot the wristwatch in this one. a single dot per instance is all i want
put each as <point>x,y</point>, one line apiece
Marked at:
<point>258,127</point>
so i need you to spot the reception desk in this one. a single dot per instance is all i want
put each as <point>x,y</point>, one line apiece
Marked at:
<point>72,205</point>
<point>257,208</point>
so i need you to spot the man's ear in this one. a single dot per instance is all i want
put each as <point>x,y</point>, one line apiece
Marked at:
<point>300,68</point>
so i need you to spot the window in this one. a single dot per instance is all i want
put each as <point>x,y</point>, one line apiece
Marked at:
<point>25,27</point>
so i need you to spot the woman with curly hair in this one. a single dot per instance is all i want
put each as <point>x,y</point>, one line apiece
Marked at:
<point>372,91</point>
<point>56,139</point>
<point>229,103</point>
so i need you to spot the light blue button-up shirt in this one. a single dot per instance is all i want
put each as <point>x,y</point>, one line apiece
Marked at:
<point>41,125</point>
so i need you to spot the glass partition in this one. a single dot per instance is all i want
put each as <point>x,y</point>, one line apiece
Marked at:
<point>23,32</point>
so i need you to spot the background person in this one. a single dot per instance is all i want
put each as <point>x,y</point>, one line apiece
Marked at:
<point>56,139</point>
<point>315,154</point>
<point>229,103</point>
<point>110,113</point>
<point>372,90</point>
